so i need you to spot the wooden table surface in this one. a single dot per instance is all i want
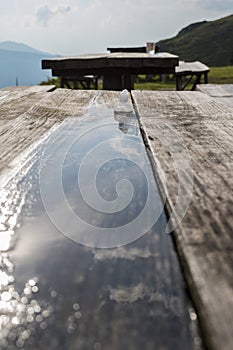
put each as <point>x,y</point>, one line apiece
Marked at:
<point>222,92</point>
<point>204,238</point>
<point>171,122</point>
<point>113,66</point>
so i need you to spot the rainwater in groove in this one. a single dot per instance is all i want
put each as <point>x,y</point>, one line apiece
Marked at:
<point>59,294</point>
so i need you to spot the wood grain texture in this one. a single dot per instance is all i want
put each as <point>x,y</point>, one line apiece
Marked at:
<point>15,100</point>
<point>191,67</point>
<point>223,93</point>
<point>75,62</point>
<point>25,117</point>
<point>118,60</point>
<point>33,88</point>
<point>204,238</point>
<point>138,288</point>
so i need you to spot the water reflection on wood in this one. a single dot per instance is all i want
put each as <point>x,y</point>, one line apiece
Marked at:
<point>59,294</point>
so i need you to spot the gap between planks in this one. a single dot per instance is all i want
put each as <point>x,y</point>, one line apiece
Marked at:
<point>204,238</point>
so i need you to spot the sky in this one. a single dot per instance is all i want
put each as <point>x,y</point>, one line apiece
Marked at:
<point>73,27</point>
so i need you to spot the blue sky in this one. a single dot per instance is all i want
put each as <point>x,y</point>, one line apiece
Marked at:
<point>85,26</point>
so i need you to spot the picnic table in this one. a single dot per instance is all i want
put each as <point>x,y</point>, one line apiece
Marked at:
<point>117,69</point>
<point>58,294</point>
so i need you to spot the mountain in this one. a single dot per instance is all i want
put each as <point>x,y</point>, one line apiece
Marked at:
<point>13,46</point>
<point>210,42</point>
<point>21,63</point>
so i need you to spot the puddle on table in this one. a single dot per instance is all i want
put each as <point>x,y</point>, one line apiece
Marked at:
<point>59,294</point>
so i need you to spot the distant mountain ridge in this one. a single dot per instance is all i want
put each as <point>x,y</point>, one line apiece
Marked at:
<point>14,46</point>
<point>22,64</point>
<point>208,41</point>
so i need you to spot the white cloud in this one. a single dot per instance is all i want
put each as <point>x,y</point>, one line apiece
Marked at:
<point>219,5</point>
<point>81,26</point>
<point>44,14</point>
<point>122,253</point>
<point>130,295</point>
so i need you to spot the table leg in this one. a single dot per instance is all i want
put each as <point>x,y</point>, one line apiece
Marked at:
<point>118,82</point>
<point>178,83</point>
<point>112,82</point>
<point>128,82</point>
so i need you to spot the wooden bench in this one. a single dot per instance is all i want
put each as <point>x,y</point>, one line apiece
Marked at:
<point>190,72</point>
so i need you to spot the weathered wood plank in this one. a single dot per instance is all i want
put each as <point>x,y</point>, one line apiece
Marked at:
<point>33,88</point>
<point>226,100</point>
<point>137,287</point>
<point>171,121</point>
<point>120,60</point>
<point>141,60</point>
<point>222,92</point>
<point>25,125</point>
<point>217,90</point>
<point>16,100</point>
<point>191,67</point>
<point>75,62</point>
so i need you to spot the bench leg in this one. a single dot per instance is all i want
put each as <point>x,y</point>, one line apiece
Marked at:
<point>96,82</point>
<point>178,83</point>
<point>197,80</point>
<point>65,83</point>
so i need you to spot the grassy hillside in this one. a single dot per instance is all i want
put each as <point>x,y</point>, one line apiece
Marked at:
<point>209,42</point>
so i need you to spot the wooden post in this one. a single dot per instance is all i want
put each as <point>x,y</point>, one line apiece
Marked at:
<point>128,82</point>
<point>96,82</point>
<point>118,82</point>
<point>113,82</point>
<point>178,83</point>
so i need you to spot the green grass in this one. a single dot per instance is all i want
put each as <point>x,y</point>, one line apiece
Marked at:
<point>155,86</point>
<point>52,81</point>
<point>221,75</point>
<point>217,75</point>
